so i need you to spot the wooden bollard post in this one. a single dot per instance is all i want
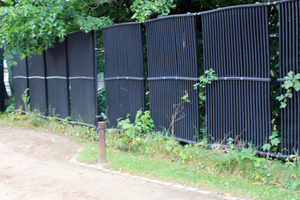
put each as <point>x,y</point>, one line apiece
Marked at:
<point>101,143</point>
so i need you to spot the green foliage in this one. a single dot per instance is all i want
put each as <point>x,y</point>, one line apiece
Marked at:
<point>68,118</point>
<point>144,9</point>
<point>274,144</point>
<point>25,98</point>
<point>31,26</point>
<point>207,78</point>
<point>11,107</point>
<point>186,97</point>
<point>131,133</point>
<point>243,163</point>
<point>101,100</point>
<point>291,82</point>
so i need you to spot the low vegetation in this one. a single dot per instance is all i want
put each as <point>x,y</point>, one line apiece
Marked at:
<point>137,149</point>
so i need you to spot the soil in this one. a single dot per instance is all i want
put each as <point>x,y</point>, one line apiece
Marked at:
<point>35,165</point>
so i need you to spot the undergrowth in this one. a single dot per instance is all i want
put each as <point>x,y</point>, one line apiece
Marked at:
<point>65,128</point>
<point>231,161</point>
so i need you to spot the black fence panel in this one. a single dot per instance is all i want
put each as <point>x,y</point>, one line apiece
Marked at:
<point>37,83</point>
<point>20,81</point>
<point>289,61</point>
<point>57,80</point>
<point>124,71</point>
<point>83,79</point>
<point>236,46</point>
<point>173,70</point>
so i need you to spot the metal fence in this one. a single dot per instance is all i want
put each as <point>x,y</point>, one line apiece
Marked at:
<point>173,70</point>
<point>124,71</point>
<point>62,81</point>
<point>289,61</point>
<point>37,83</point>
<point>57,80</point>
<point>20,81</point>
<point>83,77</point>
<point>236,45</point>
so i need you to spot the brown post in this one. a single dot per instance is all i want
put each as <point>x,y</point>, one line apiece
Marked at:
<point>101,144</point>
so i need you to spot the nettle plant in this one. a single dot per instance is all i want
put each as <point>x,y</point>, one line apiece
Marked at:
<point>291,82</point>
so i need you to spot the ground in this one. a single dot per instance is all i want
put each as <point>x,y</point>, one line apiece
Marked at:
<point>36,165</point>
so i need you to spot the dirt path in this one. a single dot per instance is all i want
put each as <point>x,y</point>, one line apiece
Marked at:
<point>34,165</point>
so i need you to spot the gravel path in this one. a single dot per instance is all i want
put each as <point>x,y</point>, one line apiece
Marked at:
<point>36,165</point>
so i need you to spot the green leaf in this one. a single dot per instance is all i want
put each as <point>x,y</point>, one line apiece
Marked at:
<point>288,84</point>
<point>266,147</point>
<point>283,104</point>
<point>297,76</point>
<point>275,142</point>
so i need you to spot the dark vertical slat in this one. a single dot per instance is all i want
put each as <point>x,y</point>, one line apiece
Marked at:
<point>289,64</point>
<point>297,70</point>
<point>20,84</point>
<point>96,77</point>
<point>37,83</point>
<point>124,57</point>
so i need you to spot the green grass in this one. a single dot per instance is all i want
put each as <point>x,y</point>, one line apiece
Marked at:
<point>155,157</point>
<point>184,174</point>
<point>90,152</point>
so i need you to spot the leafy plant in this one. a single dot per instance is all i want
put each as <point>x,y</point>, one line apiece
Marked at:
<point>25,98</point>
<point>101,100</point>
<point>143,9</point>
<point>68,118</point>
<point>291,82</point>
<point>274,144</point>
<point>131,133</point>
<point>186,97</point>
<point>207,78</point>
<point>11,107</point>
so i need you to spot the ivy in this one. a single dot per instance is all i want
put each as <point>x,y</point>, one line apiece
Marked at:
<point>291,82</point>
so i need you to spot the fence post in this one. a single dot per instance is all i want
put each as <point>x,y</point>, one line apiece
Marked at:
<point>101,143</point>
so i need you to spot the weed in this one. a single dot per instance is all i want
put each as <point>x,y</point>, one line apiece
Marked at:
<point>207,78</point>
<point>274,144</point>
<point>131,133</point>
<point>291,82</point>
<point>186,97</point>
<point>25,98</point>
<point>11,107</point>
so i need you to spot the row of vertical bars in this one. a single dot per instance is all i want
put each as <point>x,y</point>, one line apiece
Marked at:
<point>68,68</point>
<point>172,52</point>
<point>124,58</point>
<point>236,44</point>
<point>289,61</point>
